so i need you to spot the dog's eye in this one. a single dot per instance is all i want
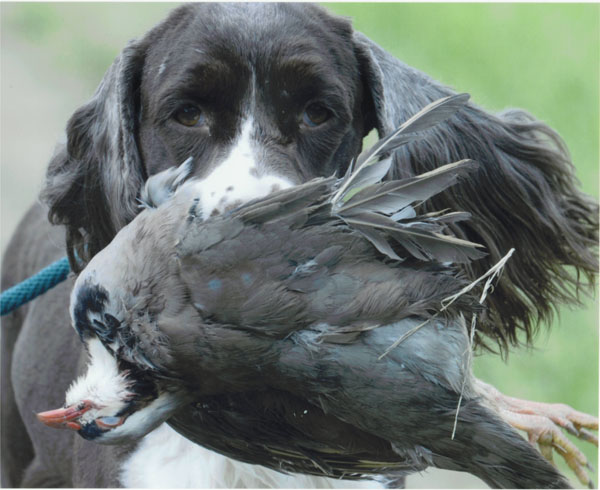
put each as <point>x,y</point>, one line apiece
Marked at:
<point>190,115</point>
<point>315,115</point>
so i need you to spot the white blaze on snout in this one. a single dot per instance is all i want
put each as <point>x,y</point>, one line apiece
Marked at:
<point>239,178</point>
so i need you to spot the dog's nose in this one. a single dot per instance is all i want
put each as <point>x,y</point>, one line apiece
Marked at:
<point>220,196</point>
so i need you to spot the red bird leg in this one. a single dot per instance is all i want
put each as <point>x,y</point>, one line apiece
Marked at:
<point>542,422</point>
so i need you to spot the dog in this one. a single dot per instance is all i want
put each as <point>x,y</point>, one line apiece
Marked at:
<point>262,96</point>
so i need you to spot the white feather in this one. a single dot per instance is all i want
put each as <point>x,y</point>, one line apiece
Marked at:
<point>102,384</point>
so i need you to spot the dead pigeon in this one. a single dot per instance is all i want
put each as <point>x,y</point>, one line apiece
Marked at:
<point>260,333</point>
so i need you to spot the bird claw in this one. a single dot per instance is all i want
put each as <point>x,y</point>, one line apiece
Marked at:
<point>547,435</point>
<point>586,435</point>
<point>543,422</point>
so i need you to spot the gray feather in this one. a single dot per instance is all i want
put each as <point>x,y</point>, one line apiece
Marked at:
<point>160,187</point>
<point>368,170</point>
<point>389,197</point>
<point>378,240</point>
<point>426,118</point>
<point>285,202</point>
<point>421,243</point>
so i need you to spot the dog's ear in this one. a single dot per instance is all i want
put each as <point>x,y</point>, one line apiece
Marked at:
<point>92,182</point>
<point>524,195</point>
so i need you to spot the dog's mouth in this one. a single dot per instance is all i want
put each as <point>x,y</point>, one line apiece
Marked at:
<point>70,418</point>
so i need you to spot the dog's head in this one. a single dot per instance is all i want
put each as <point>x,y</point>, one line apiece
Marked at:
<point>264,96</point>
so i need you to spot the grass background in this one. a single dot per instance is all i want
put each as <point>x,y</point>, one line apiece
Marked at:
<point>542,57</point>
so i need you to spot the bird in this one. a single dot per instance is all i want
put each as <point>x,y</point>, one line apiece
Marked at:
<point>322,329</point>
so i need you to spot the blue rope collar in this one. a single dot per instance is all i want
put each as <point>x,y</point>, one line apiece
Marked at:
<point>32,287</point>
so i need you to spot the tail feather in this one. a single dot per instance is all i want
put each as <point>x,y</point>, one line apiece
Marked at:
<point>383,214</point>
<point>490,449</point>
<point>432,114</point>
<point>370,168</point>
<point>421,243</point>
<point>392,196</point>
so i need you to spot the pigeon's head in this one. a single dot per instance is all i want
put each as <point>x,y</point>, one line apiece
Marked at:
<point>109,404</point>
<point>120,398</point>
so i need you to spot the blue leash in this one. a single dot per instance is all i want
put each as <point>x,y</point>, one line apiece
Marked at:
<point>32,287</point>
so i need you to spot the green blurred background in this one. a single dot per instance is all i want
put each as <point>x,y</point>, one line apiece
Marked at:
<point>541,57</point>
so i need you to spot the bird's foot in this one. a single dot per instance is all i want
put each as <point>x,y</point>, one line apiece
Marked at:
<point>543,422</point>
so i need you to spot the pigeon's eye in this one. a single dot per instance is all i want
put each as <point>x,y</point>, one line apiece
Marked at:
<point>315,115</point>
<point>190,115</point>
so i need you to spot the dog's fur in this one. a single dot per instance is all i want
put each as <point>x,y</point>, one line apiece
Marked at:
<point>253,70</point>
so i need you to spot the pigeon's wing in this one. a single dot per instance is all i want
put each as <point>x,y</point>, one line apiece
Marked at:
<point>266,265</point>
<point>295,419</point>
<point>402,405</point>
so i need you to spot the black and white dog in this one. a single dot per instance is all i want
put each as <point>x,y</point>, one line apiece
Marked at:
<point>263,96</point>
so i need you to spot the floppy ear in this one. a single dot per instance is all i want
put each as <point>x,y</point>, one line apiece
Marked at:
<point>524,195</point>
<point>92,182</point>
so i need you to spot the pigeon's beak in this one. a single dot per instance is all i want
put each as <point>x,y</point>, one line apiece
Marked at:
<point>65,418</point>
